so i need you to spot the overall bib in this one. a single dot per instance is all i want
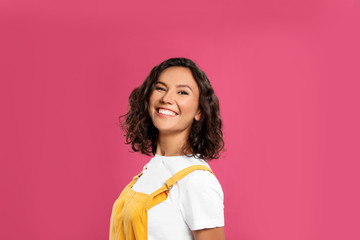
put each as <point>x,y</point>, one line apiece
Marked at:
<point>129,213</point>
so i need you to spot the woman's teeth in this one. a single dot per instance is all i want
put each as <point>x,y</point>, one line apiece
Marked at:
<point>166,112</point>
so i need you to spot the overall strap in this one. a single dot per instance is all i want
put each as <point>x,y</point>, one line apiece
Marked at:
<point>179,175</point>
<point>162,193</point>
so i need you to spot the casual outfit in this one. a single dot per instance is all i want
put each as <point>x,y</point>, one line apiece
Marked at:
<point>171,197</point>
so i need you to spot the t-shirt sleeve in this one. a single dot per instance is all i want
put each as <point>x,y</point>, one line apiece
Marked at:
<point>202,201</point>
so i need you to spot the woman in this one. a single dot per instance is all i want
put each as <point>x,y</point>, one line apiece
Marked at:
<point>175,116</point>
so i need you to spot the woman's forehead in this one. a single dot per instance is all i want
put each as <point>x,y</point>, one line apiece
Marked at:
<point>177,76</point>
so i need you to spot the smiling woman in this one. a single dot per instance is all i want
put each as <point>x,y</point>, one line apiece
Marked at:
<point>174,115</point>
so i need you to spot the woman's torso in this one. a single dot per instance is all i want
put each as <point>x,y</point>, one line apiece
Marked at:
<point>194,202</point>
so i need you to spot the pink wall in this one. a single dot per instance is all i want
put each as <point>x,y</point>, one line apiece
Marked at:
<point>286,73</point>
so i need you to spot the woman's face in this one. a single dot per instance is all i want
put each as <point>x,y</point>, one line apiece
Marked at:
<point>174,103</point>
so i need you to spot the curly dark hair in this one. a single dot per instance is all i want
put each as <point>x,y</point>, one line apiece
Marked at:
<point>205,139</point>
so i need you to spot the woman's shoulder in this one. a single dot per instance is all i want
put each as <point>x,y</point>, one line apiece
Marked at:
<point>201,181</point>
<point>175,165</point>
<point>197,179</point>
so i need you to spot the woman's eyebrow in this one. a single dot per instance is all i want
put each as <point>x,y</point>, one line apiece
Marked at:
<point>180,85</point>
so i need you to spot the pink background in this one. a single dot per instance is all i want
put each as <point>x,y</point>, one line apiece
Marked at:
<point>287,76</point>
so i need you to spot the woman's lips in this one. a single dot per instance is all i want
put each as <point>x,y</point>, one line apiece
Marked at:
<point>164,115</point>
<point>167,110</point>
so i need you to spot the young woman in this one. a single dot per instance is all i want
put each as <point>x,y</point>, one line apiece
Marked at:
<point>175,116</point>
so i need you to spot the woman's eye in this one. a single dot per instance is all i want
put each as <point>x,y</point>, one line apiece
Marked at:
<point>163,89</point>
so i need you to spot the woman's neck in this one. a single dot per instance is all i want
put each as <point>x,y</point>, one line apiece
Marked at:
<point>171,144</point>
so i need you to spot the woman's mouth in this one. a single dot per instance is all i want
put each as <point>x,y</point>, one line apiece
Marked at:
<point>165,113</point>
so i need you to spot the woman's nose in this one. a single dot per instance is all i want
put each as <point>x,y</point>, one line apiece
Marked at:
<point>167,97</point>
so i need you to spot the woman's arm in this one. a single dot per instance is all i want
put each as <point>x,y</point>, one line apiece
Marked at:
<point>209,234</point>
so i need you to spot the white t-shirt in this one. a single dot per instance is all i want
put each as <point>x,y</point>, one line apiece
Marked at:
<point>195,201</point>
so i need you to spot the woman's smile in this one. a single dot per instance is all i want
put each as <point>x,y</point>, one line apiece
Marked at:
<point>166,113</point>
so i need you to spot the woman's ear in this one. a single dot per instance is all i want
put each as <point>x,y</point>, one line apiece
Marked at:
<point>198,115</point>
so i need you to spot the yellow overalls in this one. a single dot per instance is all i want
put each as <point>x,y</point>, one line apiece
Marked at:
<point>129,213</point>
